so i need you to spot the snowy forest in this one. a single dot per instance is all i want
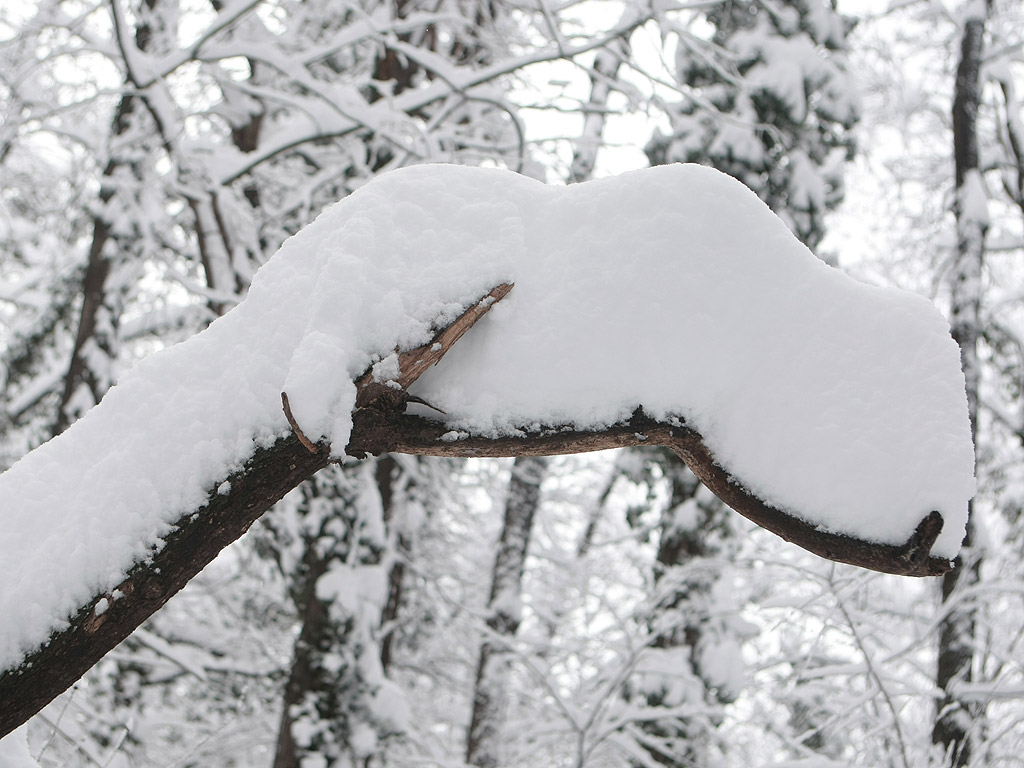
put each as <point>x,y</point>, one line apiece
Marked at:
<point>586,610</point>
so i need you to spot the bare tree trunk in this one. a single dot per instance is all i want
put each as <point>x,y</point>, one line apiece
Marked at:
<point>955,719</point>
<point>335,668</point>
<point>87,380</point>
<point>301,676</point>
<point>332,698</point>
<point>399,486</point>
<point>694,535</point>
<point>607,62</point>
<point>491,689</point>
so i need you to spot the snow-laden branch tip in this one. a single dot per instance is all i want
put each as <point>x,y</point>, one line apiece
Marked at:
<point>667,306</point>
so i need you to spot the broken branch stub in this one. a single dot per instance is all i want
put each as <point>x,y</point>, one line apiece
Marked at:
<point>392,394</point>
<point>414,363</point>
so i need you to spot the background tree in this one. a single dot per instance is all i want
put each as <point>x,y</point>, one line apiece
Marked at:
<point>246,120</point>
<point>218,163</point>
<point>767,99</point>
<point>954,720</point>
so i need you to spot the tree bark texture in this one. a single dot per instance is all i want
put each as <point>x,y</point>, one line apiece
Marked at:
<point>397,486</point>
<point>955,719</point>
<point>503,612</point>
<point>191,545</point>
<point>312,614</point>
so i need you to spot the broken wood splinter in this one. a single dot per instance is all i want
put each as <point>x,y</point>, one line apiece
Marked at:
<point>413,363</point>
<point>393,394</point>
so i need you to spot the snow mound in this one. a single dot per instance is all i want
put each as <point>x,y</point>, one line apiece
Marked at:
<point>673,288</point>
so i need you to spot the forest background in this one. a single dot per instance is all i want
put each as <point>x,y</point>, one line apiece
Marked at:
<point>583,611</point>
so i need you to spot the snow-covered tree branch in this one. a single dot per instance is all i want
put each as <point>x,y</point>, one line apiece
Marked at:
<point>859,388</point>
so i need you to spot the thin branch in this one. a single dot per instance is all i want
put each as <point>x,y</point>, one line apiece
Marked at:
<point>224,19</point>
<point>403,433</point>
<point>414,100</point>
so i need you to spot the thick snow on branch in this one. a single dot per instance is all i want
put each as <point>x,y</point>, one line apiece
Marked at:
<point>673,289</point>
<point>14,750</point>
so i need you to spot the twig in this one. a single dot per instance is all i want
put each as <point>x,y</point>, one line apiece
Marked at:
<point>306,442</point>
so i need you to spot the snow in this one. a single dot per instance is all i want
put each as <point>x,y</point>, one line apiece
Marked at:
<point>684,517</point>
<point>673,288</point>
<point>14,750</point>
<point>784,66</point>
<point>667,674</point>
<point>972,200</point>
<point>975,10</point>
<point>350,587</point>
<point>720,661</point>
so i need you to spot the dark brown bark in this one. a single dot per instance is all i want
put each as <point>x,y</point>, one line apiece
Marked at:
<point>955,664</point>
<point>93,297</point>
<point>1013,182</point>
<point>381,426</point>
<point>967,99</point>
<point>387,470</point>
<point>586,539</point>
<point>409,434</point>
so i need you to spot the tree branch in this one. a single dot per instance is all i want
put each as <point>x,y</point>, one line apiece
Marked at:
<point>194,541</point>
<point>375,433</point>
<point>380,425</point>
<point>199,535</point>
